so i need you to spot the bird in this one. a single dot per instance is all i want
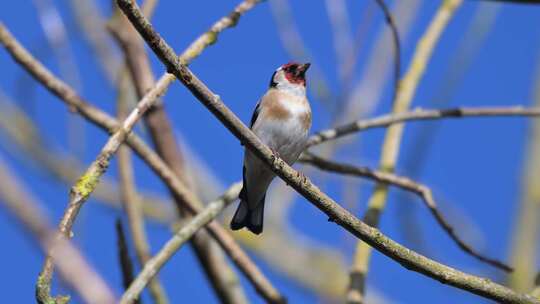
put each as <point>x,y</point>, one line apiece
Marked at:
<point>281,120</point>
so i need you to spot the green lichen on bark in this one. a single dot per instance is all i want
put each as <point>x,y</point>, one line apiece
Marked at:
<point>86,183</point>
<point>43,292</point>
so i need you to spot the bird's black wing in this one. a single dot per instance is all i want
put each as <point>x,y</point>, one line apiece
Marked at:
<point>255,114</point>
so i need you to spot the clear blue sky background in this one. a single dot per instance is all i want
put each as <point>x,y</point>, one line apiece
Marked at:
<point>474,166</point>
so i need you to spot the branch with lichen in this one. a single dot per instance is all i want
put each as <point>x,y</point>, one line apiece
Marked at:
<point>130,199</point>
<point>102,119</point>
<point>28,139</point>
<point>73,268</point>
<point>86,184</point>
<point>392,140</point>
<point>408,258</point>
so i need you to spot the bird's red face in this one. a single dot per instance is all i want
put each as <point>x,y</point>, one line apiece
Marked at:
<point>295,72</point>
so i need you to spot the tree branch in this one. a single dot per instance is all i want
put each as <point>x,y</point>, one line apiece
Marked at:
<point>102,119</point>
<point>72,266</point>
<point>386,120</point>
<point>130,199</point>
<point>123,256</point>
<point>218,271</point>
<point>392,139</point>
<point>154,265</point>
<point>407,184</point>
<point>407,258</point>
<point>65,167</point>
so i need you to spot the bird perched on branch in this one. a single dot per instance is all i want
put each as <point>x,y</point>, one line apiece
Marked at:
<point>281,120</point>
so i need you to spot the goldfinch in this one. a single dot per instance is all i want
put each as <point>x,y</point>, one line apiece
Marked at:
<point>281,120</point>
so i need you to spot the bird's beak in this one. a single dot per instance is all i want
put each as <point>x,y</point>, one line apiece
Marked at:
<point>303,68</point>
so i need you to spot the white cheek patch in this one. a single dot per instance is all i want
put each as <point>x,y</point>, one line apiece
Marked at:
<point>283,84</point>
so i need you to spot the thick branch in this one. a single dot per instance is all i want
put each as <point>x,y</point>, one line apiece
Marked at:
<point>407,258</point>
<point>218,271</point>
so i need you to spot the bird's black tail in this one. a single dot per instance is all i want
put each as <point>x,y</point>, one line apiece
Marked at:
<point>251,219</point>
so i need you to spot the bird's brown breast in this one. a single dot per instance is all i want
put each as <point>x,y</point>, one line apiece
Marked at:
<point>275,104</point>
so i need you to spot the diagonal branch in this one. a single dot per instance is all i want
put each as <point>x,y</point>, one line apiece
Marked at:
<point>22,132</point>
<point>103,120</point>
<point>218,271</point>
<point>408,258</point>
<point>153,266</point>
<point>392,139</point>
<point>72,266</point>
<point>123,256</point>
<point>131,201</point>
<point>407,184</point>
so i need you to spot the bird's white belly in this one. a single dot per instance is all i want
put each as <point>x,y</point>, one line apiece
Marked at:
<point>287,137</point>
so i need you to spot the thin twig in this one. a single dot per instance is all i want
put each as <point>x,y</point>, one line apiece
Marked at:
<point>123,257</point>
<point>397,45</point>
<point>153,266</point>
<point>130,198</point>
<point>387,120</point>
<point>408,258</point>
<point>102,119</point>
<point>71,264</point>
<point>457,67</point>
<point>392,139</point>
<point>407,184</point>
<point>30,140</point>
<point>366,92</point>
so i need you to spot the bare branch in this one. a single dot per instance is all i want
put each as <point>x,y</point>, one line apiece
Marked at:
<point>153,266</point>
<point>392,140</point>
<point>219,272</point>
<point>28,139</point>
<point>409,259</point>
<point>397,45</point>
<point>387,120</point>
<point>130,199</point>
<point>102,119</point>
<point>407,184</point>
<point>71,264</point>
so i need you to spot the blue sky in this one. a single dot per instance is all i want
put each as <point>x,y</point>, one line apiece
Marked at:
<point>474,166</point>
